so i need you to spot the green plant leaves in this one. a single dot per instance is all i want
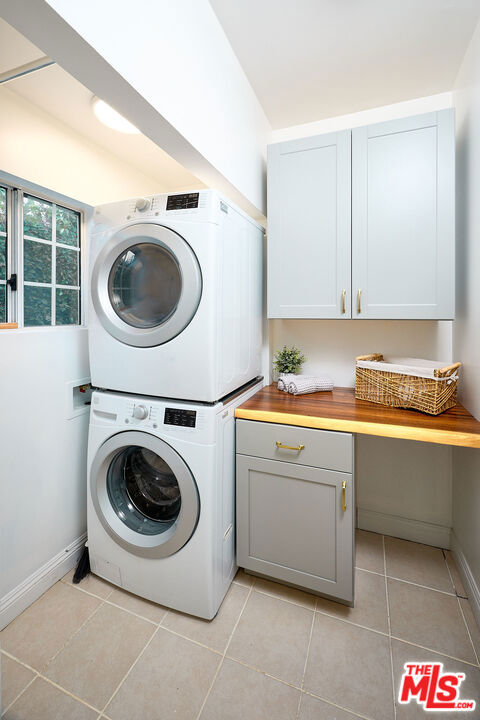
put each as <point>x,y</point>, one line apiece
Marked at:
<point>288,360</point>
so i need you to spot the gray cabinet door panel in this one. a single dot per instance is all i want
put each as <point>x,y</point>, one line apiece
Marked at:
<point>309,210</point>
<point>403,235</point>
<point>291,525</point>
<point>321,448</point>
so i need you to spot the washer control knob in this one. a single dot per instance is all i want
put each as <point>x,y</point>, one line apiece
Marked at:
<point>140,412</point>
<point>142,204</point>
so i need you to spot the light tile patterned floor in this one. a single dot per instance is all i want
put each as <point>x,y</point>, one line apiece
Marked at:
<point>272,653</point>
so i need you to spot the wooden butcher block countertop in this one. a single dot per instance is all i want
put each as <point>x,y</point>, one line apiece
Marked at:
<point>340,410</point>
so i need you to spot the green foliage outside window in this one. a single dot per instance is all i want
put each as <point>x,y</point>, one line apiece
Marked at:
<point>37,218</point>
<point>68,232</point>
<point>3,210</point>
<point>38,223</point>
<point>38,306</point>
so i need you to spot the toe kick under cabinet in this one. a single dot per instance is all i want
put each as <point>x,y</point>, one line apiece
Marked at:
<point>295,506</point>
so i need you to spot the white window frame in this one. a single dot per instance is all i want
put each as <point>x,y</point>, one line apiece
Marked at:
<point>16,189</point>
<point>7,236</point>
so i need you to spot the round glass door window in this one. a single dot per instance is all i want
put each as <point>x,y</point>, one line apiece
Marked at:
<point>145,285</point>
<point>143,490</point>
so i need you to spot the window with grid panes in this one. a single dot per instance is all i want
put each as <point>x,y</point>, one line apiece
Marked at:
<point>51,263</point>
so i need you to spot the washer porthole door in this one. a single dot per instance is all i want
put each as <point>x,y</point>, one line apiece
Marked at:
<point>146,285</point>
<point>144,494</point>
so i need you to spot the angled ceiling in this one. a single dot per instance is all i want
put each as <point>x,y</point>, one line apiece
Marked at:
<point>56,92</point>
<point>312,59</point>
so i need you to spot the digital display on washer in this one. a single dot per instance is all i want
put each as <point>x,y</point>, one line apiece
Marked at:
<point>176,416</point>
<point>182,202</point>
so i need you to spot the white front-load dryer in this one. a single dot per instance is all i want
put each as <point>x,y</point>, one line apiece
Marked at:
<point>161,497</point>
<point>175,296</point>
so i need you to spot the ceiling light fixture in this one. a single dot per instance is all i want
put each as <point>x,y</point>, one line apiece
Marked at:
<point>110,117</point>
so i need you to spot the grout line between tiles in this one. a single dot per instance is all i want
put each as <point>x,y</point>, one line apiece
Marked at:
<point>350,622</point>
<point>408,582</point>
<point>389,629</point>
<point>263,672</point>
<point>372,572</point>
<point>292,602</point>
<point>67,692</point>
<point>225,651</point>
<point>106,601</point>
<point>425,587</point>
<point>74,635</point>
<point>335,705</point>
<point>306,657</point>
<point>46,679</point>
<point>76,586</point>
<point>137,615</point>
<point>437,652</point>
<point>468,629</point>
<point>195,642</point>
<point>19,695</point>
<point>130,669</point>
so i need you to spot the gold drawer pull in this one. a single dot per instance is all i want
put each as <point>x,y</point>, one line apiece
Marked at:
<point>359,306</point>
<point>343,301</point>
<point>289,447</point>
<point>344,504</point>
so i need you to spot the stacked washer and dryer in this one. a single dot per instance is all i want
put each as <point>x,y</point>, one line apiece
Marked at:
<point>175,337</point>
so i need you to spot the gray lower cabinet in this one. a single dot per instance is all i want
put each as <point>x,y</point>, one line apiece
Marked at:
<point>295,522</point>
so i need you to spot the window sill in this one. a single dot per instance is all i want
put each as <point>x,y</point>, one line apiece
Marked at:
<point>42,329</point>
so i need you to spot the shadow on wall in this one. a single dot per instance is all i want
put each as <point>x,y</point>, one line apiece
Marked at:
<point>332,345</point>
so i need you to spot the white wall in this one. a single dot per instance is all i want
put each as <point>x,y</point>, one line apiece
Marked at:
<point>332,345</point>
<point>36,146</point>
<point>365,117</point>
<point>403,488</point>
<point>466,335</point>
<point>42,453</point>
<point>168,67</point>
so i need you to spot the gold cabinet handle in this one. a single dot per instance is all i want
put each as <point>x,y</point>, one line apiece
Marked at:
<point>289,447</point>
<point>343,301</point>
<point>359,305</point>
<point>344,504</point>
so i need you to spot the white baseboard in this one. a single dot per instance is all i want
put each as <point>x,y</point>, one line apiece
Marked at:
<point>473,591</point>
<point>415,530</point>
<point>18,599</point>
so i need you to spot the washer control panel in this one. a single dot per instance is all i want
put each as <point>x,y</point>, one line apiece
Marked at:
<point>180,417</point>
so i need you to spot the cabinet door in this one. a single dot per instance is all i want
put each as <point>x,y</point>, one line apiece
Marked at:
<point>291,525</point>
<point>309,210</point>
<point>403,218</point>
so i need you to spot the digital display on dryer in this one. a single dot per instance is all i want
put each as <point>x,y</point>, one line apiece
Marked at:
<point>182,202</point>
<point>177,416</point>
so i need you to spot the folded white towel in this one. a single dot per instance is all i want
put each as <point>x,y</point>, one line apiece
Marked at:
<point>283,381</point>
<point>302,384</point>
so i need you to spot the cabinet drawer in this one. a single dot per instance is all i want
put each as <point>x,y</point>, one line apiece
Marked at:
<point>321,448</point>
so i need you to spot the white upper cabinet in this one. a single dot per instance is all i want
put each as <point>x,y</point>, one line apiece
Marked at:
<point>361,223</point>
<point>403,218</point>
<point>309,227</point>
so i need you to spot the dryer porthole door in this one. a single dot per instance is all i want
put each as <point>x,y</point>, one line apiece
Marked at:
<point>144,494</point>
<point>146,285</point>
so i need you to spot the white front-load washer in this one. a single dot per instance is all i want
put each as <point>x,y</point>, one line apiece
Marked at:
<point>175,296</point>
<point>161,497</point>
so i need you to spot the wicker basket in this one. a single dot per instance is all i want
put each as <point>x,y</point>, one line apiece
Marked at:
<point>432,395</point>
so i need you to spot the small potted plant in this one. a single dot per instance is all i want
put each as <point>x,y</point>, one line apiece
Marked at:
<point>288,360</point>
